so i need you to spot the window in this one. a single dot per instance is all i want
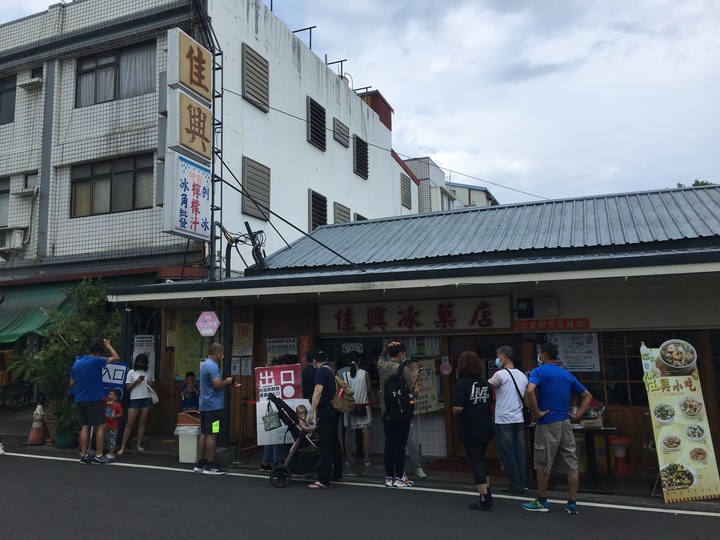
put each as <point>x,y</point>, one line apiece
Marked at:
<point>315,123</point>
<point>4,201</point>
<point>110,186</point>
<point>318,210</point>
<point>256,189</point>
<point>406,191</point>
<point>7,100</point>
<point>31,180</point>
<point>115,75</point>
<point>341,213</point>
<point>255,78</point>
<point>36,73</point>
<point>341,133</point>
<point>360,157</point>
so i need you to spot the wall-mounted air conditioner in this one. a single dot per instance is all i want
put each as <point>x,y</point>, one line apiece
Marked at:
<point>11,239</point>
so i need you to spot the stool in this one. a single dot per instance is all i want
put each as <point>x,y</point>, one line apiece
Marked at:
<point>621,467</point>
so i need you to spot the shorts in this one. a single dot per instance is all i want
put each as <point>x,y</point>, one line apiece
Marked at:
<point>142,403</point>
<point>110,438</point>
<point>210,421</point>
<point>555,448</point>
<point>91,413</point>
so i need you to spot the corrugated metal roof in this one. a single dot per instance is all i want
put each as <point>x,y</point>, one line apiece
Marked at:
<point>601,222</point>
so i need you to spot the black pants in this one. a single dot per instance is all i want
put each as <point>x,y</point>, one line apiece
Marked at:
<point>396,436</point>
<point>330,449</point>
<point>476,453</point>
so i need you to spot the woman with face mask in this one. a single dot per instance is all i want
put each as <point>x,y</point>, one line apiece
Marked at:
<point>509,425</point>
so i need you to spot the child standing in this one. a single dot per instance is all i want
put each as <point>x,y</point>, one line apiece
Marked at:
<point>189,393</point>
<point>113,411</point>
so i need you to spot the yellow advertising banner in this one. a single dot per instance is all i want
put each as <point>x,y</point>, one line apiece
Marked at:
<point>688,469</point>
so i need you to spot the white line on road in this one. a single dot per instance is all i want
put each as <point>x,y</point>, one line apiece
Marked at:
<point>414,488</point>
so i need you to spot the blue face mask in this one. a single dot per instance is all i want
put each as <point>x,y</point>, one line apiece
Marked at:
<point>498,363</point>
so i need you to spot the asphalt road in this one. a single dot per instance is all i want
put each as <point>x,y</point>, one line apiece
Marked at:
<point>59,498</point>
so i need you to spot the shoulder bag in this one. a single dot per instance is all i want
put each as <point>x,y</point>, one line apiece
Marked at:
<point>527,415</point>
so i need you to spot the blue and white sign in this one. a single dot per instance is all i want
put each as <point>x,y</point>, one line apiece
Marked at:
<point>188,196</point>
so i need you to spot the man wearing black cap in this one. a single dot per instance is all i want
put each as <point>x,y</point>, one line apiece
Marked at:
<point>327,421</point>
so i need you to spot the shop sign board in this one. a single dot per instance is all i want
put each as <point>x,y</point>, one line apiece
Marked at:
<point>189,65</point>
<point>688,469</point>
<point>283,381</point>
<point>426,397</point>
<point>578,350</point>
<point>551,325</point>
<point>207,323</point>
<point>187,210</point>
<point>390,318</point>
<point>189,126</point>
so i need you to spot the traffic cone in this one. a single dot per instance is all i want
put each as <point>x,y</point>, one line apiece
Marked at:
<point>37,432</point>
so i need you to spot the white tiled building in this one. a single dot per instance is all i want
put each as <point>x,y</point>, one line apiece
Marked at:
<point>80,86</point>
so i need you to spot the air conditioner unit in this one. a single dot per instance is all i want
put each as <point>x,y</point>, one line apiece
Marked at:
<point>11,239</point>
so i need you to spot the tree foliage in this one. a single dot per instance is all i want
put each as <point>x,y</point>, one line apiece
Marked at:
<point>696,183</point>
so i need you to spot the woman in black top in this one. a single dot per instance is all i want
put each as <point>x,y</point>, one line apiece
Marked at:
<point>472,406</point>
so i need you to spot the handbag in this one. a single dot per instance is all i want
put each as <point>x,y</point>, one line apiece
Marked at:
<point>358,410</point>
<point>527,414</point>
<point>153,395</point>
<point>271,418</point>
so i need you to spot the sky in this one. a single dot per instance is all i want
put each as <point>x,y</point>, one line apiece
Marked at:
<point>531,98</point>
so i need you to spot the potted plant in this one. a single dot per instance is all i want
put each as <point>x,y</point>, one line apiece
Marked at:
<point>66,423</point>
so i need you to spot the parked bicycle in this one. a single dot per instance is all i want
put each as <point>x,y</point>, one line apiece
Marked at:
<point>16,395</point>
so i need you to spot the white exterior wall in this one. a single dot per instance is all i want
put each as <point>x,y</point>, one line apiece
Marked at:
<point>279,141</point>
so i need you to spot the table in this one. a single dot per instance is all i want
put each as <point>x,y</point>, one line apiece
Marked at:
<point>589,432</point>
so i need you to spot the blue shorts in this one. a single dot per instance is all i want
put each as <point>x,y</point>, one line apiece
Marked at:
<point>142,403</point>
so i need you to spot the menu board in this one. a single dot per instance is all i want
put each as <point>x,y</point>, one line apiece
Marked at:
<point>426,398</point>
<point>688,470</point>
<point>578,350</point>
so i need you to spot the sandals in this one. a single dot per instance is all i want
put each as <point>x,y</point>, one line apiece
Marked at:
<point>121,452</point>
<point>140,450</point>
<point>318,485</point>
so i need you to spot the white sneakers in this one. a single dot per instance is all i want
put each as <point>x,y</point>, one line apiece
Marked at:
<point>420,473</point>
<point>2,450</point>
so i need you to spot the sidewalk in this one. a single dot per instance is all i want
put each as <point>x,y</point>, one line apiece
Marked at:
<point>447,474</point>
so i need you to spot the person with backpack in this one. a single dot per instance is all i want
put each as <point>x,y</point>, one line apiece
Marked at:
<point>327,421</point>
<point>396,408</point>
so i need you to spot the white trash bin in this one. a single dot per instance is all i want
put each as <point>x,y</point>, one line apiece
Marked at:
<point>188,441</point>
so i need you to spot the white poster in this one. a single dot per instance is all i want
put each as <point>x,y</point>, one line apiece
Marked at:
<point>144,344</point>
<point>280,435</point>
<point>578,351</point>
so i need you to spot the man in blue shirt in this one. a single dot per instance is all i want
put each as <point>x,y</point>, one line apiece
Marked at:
<point>548,393</point>
<point>86,377</point>
<point>212,409</point>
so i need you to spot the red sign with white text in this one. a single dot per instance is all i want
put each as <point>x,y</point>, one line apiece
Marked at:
<point>283,381</point>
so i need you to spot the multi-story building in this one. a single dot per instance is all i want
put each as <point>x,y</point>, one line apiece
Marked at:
<point>82,141</point>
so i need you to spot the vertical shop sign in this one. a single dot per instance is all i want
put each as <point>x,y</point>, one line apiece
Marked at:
<point>190,65</point>
<point>688,469</point>
<point>188,193</point>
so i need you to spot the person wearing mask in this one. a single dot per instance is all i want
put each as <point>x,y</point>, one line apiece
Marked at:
<point>510,384</point>
<point>472,406</point>
<point>549,393</point>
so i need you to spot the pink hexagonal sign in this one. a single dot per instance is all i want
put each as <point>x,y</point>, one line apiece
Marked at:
<point>207,323</point>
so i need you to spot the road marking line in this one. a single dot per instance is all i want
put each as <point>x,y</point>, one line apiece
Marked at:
<point>582,504</point>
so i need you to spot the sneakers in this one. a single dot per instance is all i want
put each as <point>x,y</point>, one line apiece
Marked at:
<point>84,459</point>
<point>214,469</point>
<point>110,458</point>
<point>484,504</point>
<point>367,462</point>
<point>200,465</point>
<point>265,467</point>
<point>388,481</point>
<point>402,482</point>
<point>100,460</point>
<point>2,450</point>
<point>571,508</point>
<point>420,473</point>
<point>537,506</point>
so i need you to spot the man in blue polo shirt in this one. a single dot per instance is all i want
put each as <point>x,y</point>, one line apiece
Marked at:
<point>86,377</point>
<point>548,393</point>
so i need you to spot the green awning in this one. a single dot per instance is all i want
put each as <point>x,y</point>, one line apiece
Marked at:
<point>21,308</point>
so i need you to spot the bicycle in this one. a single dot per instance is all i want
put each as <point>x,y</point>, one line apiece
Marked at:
<point>16,395</point>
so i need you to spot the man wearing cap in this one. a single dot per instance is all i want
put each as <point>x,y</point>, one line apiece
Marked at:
<point>327,421</point>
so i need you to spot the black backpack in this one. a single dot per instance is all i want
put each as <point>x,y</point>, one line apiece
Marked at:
<point>399,402</point>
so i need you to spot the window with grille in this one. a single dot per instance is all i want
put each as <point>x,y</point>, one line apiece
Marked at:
<point>341,213</point>
<point>316,124</point>
<point>360,157</point>
<point>406,191</point>
<point>110,186</point>
<point>256,189</point>
<point>318,210</point>
<point>341,133</point>
<point>255,78</point>
<point>7,99</point>
<point>115,75</point>
<point>4,202</point>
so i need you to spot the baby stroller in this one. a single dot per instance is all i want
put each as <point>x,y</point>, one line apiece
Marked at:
<point>304,455</point>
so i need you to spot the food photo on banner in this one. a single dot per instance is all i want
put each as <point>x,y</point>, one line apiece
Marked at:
<point>686,459</point>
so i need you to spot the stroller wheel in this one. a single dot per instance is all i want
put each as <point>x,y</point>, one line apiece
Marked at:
<point>280,476</point>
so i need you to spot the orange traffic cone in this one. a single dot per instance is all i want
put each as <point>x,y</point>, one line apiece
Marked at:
<point>37,432</point>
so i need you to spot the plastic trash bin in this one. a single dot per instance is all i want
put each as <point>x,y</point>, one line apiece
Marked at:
<point>188,441</point>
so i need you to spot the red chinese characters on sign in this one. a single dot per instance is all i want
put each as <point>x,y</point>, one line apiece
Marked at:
<point>482,316</point>
<point>535,325</point>
<point>207,323</point>
<point>376,318</point>
<point>198,67</point>
<point>283,381</point>
<point>197,124</point>
<point>345,320</point>
<point>409,318</point>
<point>445,316</point>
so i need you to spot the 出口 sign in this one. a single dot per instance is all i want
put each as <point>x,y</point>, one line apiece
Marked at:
<point>416,316</point>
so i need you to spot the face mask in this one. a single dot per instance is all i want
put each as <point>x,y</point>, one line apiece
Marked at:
<point>498,363</point>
